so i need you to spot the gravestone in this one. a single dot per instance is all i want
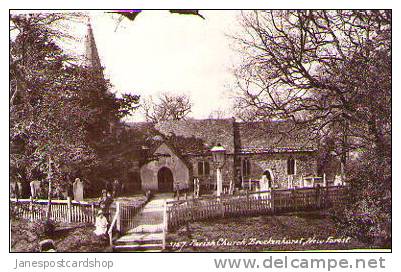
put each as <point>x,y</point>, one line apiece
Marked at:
<point>264,183</point>
<point>78,190</point>
<point>16,189</point>
<point>35,188</point>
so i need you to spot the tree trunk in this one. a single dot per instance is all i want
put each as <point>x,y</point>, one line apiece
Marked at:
<point>344,151</point>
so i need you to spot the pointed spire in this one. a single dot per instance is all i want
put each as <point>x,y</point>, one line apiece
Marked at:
<point>91,54</point>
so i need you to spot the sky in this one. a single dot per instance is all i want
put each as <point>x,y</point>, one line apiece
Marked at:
<point>163,52</point>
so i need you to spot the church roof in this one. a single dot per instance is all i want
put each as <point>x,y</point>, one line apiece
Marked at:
<point>198,136</point>
<point>272,137</point>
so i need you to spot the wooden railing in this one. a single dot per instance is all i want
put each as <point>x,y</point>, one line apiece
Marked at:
<point>61,210</point>
<point>114,223</point>
<point>165,224</point>
<point>123,217</point>
<point>265,202</point>
<point>127,214</point>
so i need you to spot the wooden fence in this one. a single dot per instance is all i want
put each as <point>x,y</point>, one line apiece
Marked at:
<point>255,203</point>
<point>61,210</point>
<point>122,218</point>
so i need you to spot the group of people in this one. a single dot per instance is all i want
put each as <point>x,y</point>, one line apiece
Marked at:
<point>111,191</point>
<point>103,214</point>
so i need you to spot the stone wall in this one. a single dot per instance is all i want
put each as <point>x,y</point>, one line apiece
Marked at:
<point>305,165</point>
<point>228,170</point>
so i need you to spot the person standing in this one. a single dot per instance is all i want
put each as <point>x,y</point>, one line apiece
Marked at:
<point>116,188</point>
<point>105,203</point>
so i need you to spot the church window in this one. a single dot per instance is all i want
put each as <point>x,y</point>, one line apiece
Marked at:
<point>203,168</point>
<point>291,166</point>
<point>246,167</point>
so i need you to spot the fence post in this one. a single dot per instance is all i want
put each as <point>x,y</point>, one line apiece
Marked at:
<point>324,180</point>
<point>294,201</point>
<point>248,204</point>
<point>165,224</point>
<point>193,210</point>
<point>69,215</point>
<point>272,199</point>
<point>222,207</point>
<point>93,213</point>
<point>31,208</point>
<point>318,197</point>
<point>118,216</point>
<point>327,201</point>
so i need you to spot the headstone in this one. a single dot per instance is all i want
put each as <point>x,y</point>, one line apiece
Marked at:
<point>337,180</point>
<point>16,189</point>
<point>78,189</point>
<point>35,188</point>
<point>264,183</point>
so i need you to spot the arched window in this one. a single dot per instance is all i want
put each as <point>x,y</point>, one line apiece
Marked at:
<point>246,167</point>
<point>291,166</point>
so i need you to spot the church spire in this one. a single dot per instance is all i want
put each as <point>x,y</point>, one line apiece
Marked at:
<point>92,59</point>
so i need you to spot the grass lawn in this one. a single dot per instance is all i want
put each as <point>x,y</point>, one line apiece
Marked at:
<point>287,232</point>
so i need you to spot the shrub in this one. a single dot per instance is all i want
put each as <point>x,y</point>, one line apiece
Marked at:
<point>368,216</point>
<point>44,228</point>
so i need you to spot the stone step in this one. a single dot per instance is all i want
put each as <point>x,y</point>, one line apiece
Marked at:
<point>138,247</point>
<point>147,229</point>
<point>140,238</point>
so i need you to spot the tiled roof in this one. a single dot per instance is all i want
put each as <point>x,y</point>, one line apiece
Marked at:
<point>271,137</point>
<point>253,150</point>
<point>197,137</point>
<point>209,132</point>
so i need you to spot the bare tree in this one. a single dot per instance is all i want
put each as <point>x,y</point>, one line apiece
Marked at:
<point>326,70</point>
<point>330,72</point>
<point>219,113</point>
<point>167,106</point>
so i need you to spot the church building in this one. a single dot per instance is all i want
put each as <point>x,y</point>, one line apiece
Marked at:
<point>180,151</point>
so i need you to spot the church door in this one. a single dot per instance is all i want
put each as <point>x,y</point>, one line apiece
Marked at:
<point>165,180</point>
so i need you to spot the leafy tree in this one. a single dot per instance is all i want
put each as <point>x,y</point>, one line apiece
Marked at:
<point>60,112</point>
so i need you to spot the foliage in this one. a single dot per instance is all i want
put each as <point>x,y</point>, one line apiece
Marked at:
<point>60,112</point>
<point>368,217</point>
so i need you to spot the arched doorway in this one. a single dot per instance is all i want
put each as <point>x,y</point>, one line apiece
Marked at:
<point>165,180</point>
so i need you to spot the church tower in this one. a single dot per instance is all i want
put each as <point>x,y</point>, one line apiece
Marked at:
<point>91,58</point>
